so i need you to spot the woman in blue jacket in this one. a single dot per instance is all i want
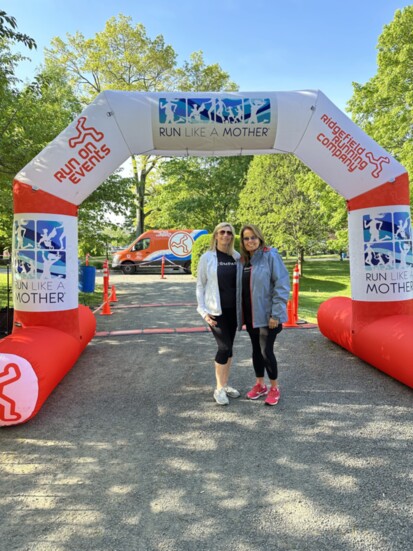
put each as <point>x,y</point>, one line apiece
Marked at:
<point>217,303</point>
<point>264,297</point>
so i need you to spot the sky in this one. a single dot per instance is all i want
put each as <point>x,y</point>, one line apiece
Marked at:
<point>264,45</point>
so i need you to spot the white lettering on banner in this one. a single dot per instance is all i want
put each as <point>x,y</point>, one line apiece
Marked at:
<point>383,270</point>
<point>214,123</point>
<point>348,151</point>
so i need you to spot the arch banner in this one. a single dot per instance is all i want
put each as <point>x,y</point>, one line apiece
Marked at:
<point>116,125</point>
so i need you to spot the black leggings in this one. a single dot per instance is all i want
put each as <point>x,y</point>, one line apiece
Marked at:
<point>224,333</point>
<point>263,357</point>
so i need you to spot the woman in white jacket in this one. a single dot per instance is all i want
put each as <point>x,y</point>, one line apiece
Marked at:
<point>217,303</point>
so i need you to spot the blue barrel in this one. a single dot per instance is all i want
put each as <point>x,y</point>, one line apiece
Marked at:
<point>87,276</point>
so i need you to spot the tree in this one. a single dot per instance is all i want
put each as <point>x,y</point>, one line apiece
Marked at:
<point>331,209</point>
<point>8,30</point>
<point>288,202</point>
<point>123,57</point>
<point>97,230</point>
<point>198,192</point>
<point>31,117</point>
<point>383,106</point>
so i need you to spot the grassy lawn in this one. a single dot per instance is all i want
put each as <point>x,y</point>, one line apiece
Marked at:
<point>3,291</point>
<point>93,300</point>
<point>321,279</point>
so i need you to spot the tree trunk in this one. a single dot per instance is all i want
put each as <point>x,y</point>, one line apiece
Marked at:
<point>147,164</point>
<point>139,177</point>
<point>300,260</point>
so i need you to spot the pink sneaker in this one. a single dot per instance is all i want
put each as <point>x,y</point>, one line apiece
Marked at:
<point>273,396</point>
<point>257,391</point>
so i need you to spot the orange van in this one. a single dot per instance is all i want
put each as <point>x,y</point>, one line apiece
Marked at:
<point>149,248</point>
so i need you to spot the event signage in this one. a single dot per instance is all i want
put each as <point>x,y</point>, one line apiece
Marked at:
<point>88,149</point>
<point>214,123</point>
<point>342,154</point>
<point>381,253</point>
<point>45,262</point>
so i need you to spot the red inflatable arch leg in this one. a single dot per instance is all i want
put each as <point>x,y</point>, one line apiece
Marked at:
<point>50,334</point>
<point>379,332</point>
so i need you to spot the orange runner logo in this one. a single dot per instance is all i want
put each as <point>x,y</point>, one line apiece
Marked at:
<point>180,243</point>
<point>91,153</point>
<point>9,375</point>
<point>84,132</point>
<point>378,163</point>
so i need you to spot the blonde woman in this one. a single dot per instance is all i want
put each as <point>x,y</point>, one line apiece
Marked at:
<point>265,292</point>
<point>217,303</point>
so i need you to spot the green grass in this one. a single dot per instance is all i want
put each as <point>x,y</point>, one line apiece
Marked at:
<point>321,280</point>
<point>3,291</point>
<point>93,300</point>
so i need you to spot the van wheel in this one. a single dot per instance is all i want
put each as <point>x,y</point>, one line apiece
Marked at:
<point>187,267</point>
<point>128,268</point>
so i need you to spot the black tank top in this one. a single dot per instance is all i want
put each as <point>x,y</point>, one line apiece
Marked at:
<point>246,293</point>
<point>227,279</point>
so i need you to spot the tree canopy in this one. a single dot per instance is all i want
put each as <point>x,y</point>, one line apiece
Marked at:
<point>291,205</point>
<point>383,106</point>
<point>296,210</point>
<point>123,57</point>
<point>197,192</point>
<point>8,30</point>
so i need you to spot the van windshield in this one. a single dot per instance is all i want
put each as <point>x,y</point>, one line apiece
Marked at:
<point>142,244</point>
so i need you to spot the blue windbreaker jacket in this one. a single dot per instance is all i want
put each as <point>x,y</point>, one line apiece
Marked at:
<point>270,288</point>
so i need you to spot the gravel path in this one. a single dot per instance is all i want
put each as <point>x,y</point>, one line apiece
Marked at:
<point>130,452</point>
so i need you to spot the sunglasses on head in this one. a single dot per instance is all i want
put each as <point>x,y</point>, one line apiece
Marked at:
<point>223,232</point>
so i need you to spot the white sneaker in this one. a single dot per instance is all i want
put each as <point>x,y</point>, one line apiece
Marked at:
<point>231,392</point>
<point>220,397</point>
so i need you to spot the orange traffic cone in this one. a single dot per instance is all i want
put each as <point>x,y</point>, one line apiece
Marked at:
<point>290,322</point>
<point>106,308</point>
<point>112,297</point>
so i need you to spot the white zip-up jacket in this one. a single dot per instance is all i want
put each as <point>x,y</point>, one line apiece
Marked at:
<point>207,290</point>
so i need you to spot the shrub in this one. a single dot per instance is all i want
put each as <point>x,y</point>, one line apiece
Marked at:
<point>200,246</point>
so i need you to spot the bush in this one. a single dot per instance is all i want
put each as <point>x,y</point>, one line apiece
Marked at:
<point>201,246</point>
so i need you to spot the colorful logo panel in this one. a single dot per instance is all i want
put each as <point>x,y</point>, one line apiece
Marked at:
<point>387,240</point>
<point>214,123</point>
<point>45,266</point>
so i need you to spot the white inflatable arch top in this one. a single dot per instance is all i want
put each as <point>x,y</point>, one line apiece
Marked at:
<point>119,124</point>
<point>376,324</point>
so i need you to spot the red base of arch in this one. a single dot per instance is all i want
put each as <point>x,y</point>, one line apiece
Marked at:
<point>385,343</point>
<point>33,360</point>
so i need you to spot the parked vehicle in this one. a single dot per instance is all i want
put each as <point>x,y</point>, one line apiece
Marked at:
<point>149,248</point>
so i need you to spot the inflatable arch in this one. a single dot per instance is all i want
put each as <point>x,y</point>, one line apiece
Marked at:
<point>51,329</point>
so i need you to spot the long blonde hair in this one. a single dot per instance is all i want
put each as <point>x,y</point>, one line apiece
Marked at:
<point>257,232</point>
<point>213,244</point>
